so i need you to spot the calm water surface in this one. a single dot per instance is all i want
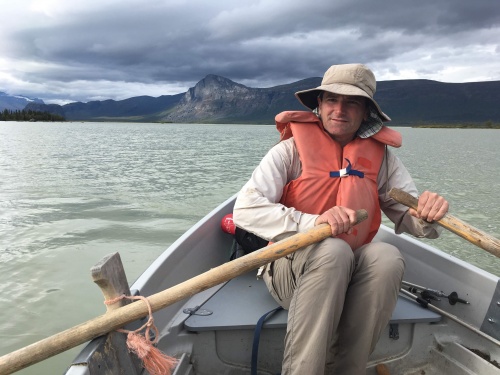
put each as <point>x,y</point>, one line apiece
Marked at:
<point>72,193</point>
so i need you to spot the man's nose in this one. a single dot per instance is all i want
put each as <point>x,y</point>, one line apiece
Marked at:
<point>339,106</point>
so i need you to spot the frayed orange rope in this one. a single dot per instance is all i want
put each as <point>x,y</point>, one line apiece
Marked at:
<point>153,360</point>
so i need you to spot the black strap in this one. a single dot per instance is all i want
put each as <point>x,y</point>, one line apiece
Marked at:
<point>249,241</point>
<point>256,338</point>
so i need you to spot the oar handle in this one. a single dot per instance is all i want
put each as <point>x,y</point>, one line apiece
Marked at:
<point>115,319</point>
<point>453,224</point>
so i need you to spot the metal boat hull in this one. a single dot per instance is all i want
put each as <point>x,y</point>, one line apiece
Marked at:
<point>432,346</point>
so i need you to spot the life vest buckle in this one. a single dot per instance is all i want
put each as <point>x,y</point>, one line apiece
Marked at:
<point>348,171</point>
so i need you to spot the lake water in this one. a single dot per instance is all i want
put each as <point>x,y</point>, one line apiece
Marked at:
<point>71,193</point>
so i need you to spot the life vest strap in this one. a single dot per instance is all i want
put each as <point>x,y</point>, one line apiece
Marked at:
<point>348,171</point>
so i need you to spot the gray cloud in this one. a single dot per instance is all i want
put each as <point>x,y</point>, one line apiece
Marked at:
<point>117,49</point>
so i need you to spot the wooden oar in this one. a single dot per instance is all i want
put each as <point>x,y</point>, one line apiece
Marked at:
<point>453,224</point>
<point>115,319</point>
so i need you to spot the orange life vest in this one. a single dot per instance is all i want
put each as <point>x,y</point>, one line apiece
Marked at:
<point>335,176</point>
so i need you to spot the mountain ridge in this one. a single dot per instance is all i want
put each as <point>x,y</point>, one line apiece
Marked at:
<point>216,99</point>
<point>16,102</point>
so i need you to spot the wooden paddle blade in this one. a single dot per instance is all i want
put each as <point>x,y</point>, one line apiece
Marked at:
<point>453,224</point>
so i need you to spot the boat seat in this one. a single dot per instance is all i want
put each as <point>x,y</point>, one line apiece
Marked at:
<point>243,300</point>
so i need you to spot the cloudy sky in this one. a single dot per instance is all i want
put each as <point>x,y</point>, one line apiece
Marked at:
<point>82,50</point>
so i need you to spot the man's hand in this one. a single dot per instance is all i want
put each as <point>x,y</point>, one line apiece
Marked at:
<point>341,219</point>
<point>431,207</point>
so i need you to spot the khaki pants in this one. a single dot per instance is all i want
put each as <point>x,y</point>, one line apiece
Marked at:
<point>339,302</point>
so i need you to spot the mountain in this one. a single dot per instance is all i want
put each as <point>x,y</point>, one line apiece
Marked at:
<point>410,102</point>
<point>140,108</point>
<point>15,102</point>
<point>216,99</point>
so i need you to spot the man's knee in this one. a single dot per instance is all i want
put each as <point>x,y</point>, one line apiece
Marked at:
<point>382,257</point>
<point>332,253</point>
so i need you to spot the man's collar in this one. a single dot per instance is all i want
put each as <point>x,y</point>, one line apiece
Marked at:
<point>370,126</point>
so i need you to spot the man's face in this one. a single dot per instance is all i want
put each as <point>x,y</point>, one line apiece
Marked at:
<point>342,115</point>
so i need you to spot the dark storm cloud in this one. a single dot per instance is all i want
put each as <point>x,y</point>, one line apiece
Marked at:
<point>132,45</point>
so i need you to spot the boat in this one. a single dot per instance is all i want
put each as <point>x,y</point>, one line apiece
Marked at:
<point>214,331</point>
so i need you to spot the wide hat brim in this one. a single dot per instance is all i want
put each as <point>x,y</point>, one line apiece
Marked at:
<point>309,98</point>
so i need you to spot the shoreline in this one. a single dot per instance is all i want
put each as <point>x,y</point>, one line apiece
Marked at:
<point>457,126</point>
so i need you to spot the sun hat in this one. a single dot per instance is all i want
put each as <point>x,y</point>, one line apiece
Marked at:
<point>345,79</point>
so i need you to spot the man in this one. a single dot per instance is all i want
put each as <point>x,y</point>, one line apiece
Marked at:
<point>341,292</point>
